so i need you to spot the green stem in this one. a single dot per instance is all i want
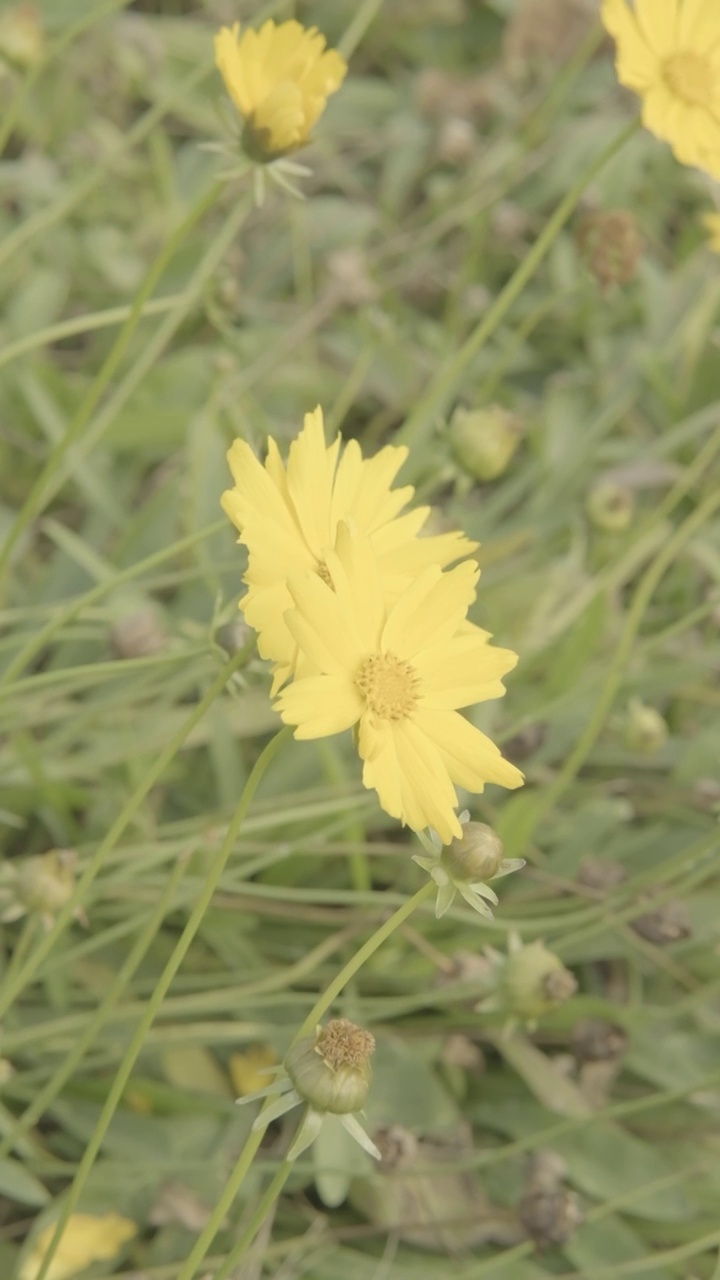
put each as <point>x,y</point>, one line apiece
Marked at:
<point>38,495</point>
<point>153,1005</point>
<point>10,989</point>
<point>449,374</point>
<point>81,324</point>
<point>522,832</point>
<point>265,1204</point>
<point>321,1005</point>
<point>43,637</point>
<point>43,1099</point>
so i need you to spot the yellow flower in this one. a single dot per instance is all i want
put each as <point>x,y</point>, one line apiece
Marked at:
<point>252,1070</point>
<point>398,672</point>
<point>711,223</point>
<point>86,1239</point>
<point>288,519</point>
<point>668,52</point>
<point>280,79</point>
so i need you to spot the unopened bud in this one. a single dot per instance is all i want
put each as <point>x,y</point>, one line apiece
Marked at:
<point>610,506</point>
<point>331,1069</point>
<point>477,855</point>
<point>21,36</point>
<point>139,634</point>
<point>484,441</point>
<point>535,981</point>
<point>646,732</point>
<point>611,244</point>
<point>45,882</point>
<point>668,923</point>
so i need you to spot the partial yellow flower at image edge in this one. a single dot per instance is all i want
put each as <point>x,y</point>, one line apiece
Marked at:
<point>87,1238</point>
<point>398,674</point>
<point>288,516</point>
<point>279,79</point>
<point>668,52</point>
<point>711,223</point>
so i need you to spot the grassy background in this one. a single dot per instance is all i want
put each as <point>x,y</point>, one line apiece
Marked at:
<point>462,125</point>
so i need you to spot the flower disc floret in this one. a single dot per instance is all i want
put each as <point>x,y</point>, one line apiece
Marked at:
<point>668,52</point>
<point>388,685</point>
<point>279,78</point>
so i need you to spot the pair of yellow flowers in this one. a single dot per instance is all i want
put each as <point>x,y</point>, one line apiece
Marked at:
<point>364,622</point>
<point>668,52</point>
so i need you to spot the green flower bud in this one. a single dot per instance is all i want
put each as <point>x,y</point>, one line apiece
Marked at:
<point>610,506</point>
<point>484,440</point>
<point>645,729</point>
<point>477,855</point>
<point>534,981</point>
<point>331,1070</point>
<point>44,883</point>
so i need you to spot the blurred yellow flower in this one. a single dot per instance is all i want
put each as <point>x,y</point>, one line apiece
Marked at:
<point>668,52</point>
<point>711,223</point>
<point>279,78</point>
<point>288,519</point>
<point>252,1070</point>
<point>86,1239</point>
<point>398,672</point>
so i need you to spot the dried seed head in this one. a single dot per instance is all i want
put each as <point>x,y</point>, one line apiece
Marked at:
<point>550,1217</point>
<point>668,923</point>
<point>601,874</point>
<point>594,1040</point>
<point>331,1070</point>
<point>139,634</point>
<point>611,244</point>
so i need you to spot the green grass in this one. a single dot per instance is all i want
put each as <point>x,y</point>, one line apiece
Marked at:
<point>147,318</point>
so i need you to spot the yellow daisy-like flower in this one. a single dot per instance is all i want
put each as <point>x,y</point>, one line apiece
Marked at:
<point>86,1239</point>
<point>399,672</point>
<point>279,78</point>
<point>288,518</point>
<point>711,223</point>
<point>668,52</point>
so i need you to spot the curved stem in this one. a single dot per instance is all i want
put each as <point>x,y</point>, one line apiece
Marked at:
<point>36,499</point>
<point>182,946</point>
<point>265,1204</point>
<point>321,1005</point>
<point>449,374</point>
<point>11,987</point>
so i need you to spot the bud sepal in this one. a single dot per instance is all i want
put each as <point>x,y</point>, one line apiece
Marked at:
<point>465,865</point>
<point>328,1073</point>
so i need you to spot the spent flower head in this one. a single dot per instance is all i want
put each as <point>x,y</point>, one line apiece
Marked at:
<point>329,1074</point>
<point>668,52</point>
<point>465,865</point>
<point>40,884</point>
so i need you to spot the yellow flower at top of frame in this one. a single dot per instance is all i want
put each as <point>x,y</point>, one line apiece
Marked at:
<point>288,518</point>
<point>668,52</point>
<point>399,673</point>
<point>279,78</point>
<point>711,223</point>
<point>87,1238</point>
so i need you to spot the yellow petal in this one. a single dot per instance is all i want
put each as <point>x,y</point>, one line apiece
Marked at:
<point>637,64</point>
<point>404,768</point>
<point>320,705</point>
<point>658,22</point>
<point>321,627</point>
<point>469,756</point>
<point>699,25</point>
<point>430,610</point>
<point>358,587</point>
<point>462,671</point>
<point>374,502</point>
<point>310,474</point>
<point>87,1238</point>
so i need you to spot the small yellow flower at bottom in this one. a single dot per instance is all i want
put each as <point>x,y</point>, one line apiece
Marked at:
<point>668,52</point>
<point>711,223</point>
<point>399,672</point>
<point>87,1238</point>
<point>279,78</point>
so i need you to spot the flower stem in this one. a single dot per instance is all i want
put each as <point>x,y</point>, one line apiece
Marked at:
<point>155,1002</point>
<point>442,386</point>
<point>322,1004</point>
<point>265,1204</point>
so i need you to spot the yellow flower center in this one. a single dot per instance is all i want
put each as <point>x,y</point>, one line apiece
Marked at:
<point>690,77</point>
<point>388,685</point>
